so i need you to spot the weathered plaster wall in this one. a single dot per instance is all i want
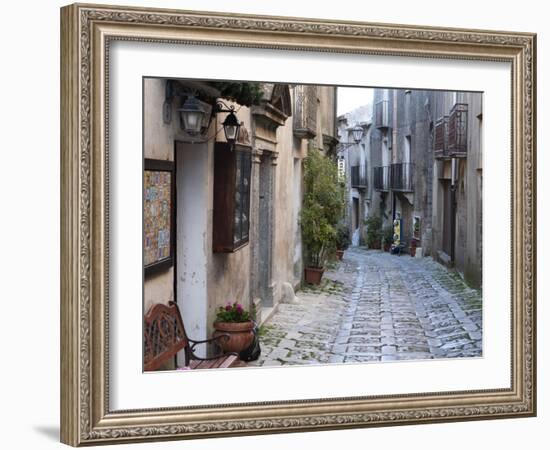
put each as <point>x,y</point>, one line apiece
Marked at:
<point>285,228</point>
<point>474,191</point>
<point>158,143</point>
<point>228,274</point>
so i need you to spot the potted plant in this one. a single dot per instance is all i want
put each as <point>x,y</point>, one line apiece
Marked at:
<point>233,321</point>
<point>387,238</point>
<point>322,209</point>
<point>342,240</point>
<point>412,247</point>
<point>374,231</point>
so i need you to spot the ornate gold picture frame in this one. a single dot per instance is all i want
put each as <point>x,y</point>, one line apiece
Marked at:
<point>87,33</point>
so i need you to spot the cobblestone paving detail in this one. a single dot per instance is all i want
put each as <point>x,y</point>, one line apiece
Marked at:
<point>376,307</point>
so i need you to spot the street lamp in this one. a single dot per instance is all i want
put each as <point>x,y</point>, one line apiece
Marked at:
<point>192,115</point>
<point>357,133</point>
<point>231,124</point>
<point>231,127</point>
<point>195,116</point>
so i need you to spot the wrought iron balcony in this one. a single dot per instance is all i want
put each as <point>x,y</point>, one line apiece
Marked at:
<point>441,138</point>
<point>359,176</point>
<point>382,114</point>
<point>458,131</point>
<point>382,178</point>
<point>402,177</point>
<point>305,111</point>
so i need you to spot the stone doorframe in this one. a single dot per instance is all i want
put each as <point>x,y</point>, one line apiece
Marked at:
<point>266,119</point>
<point>262,231</point>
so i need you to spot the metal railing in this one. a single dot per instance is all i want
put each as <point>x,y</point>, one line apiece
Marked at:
<point>381,178</point>
<point>458,131</point>
<point>359,176</point>
<point>441,138</point>
<point>402,177</point>
<point>305,111</point>
<point>382,114</point>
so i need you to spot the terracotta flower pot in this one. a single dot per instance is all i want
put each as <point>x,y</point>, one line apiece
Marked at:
<point>339,254</point>
<point>240,335</point>
<point>313,275</point>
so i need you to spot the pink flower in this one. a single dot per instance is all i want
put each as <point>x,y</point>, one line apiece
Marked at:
<point>239,308</point>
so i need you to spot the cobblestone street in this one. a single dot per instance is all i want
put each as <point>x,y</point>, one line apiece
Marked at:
<point>374,306</point>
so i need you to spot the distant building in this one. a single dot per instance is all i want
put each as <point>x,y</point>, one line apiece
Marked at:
<point>422,160</point>
<point>356,167</point>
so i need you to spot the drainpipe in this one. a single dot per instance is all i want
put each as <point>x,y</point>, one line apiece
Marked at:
<point>394,149</point>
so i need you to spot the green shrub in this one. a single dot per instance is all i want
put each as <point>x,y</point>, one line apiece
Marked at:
<point>322,207</point>
<point>374,231</point>
<point>343,239</point>
<point>387,235</point>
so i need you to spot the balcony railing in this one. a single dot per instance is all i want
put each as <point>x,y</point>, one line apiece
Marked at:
<point>305,111</point>
<point>381,178</point>
<point>441,138</point>
<point>359,176</point>
<point>458,131</point>
<point>402,177</point>
<point>382,114</point>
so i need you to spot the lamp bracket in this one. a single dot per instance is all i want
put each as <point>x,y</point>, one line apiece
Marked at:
<point>221,107</point>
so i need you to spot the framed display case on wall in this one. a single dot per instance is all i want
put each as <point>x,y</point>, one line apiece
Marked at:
<point>158,215</point>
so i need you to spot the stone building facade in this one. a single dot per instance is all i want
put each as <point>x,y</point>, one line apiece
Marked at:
<point>357,167</point>
<point>275,135</point>
<point>425,168</point>
<point>458,183</point>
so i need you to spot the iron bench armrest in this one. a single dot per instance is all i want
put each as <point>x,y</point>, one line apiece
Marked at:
<point>205,341</point>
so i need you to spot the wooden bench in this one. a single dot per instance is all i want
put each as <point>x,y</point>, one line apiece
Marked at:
<point>164,336</point>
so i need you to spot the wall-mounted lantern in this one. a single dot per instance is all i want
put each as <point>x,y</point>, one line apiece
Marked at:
<point>193,114</point>
<point>196,115</point>
<point>357,133</point>
<point>231,127</point>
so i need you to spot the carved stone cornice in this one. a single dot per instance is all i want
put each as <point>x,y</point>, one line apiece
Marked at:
<point>269,113</point>
<point>257,155</point>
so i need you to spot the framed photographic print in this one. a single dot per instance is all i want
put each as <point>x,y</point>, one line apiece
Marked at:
<point>336,218</point>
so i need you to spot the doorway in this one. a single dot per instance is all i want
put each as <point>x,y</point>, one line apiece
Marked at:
<point>265,230</point>
<point>448,219</point>
<point>355,217</point>
<point>191,277</point>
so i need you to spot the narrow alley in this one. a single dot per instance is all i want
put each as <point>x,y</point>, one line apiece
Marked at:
<point>374,306</point>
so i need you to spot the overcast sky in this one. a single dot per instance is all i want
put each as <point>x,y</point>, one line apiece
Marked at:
<point>350,98</point>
